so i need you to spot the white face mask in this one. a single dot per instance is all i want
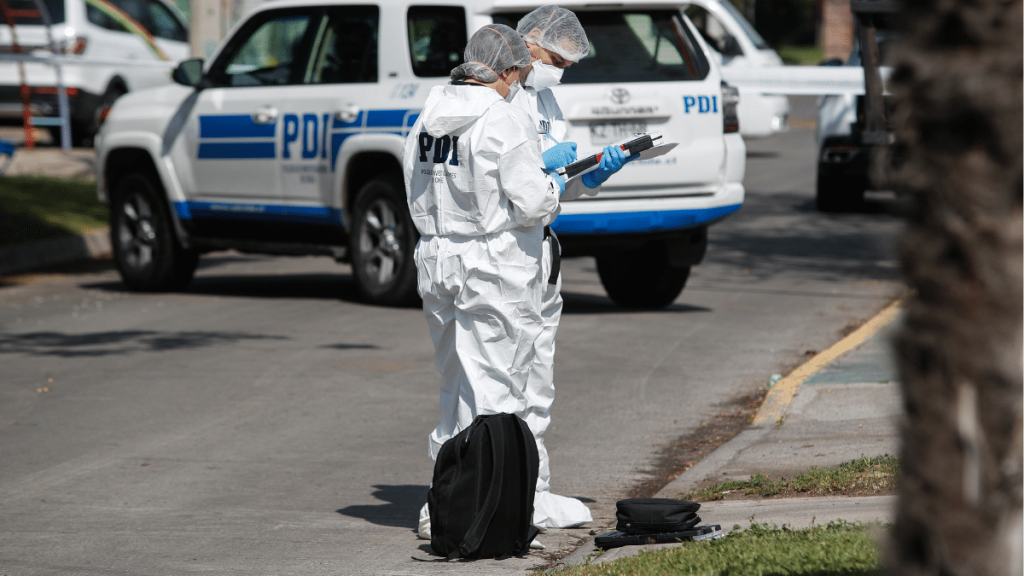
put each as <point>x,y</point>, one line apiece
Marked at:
<point>544,75</point>
<point>513,89</point>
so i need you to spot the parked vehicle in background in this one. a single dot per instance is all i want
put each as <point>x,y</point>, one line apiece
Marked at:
<point>737,44</point>
<point>143,31</point>
<point>848,138</point>
<point>289,141</point>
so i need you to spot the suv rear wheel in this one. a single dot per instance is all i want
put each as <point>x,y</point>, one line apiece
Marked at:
<point>382,242</point>
<point>642,278</point>
<point>146,250</point>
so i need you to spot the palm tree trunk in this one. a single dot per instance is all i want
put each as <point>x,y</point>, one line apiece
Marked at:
<point>957,90</point>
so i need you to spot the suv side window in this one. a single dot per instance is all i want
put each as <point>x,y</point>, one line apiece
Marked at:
<point>150,14</point>
<point>346,47</point>
<point>269,50</point>
<point>437,39</point>
<point>162,24</point>
<point>99,18</point>
<point>713,31</point>
<point>633,46</point>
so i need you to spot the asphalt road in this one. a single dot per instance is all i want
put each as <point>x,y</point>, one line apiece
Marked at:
<point>265,422</point>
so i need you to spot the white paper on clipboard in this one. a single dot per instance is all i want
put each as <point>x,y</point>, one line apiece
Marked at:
<point>657,151</point>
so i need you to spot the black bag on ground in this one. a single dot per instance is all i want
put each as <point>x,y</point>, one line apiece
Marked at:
<point>655,515</point>
<point>481,500</point>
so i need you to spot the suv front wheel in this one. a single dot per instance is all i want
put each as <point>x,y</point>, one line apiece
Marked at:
<point>146,250</point>
<point>642,278</point>
<point>382,242</point>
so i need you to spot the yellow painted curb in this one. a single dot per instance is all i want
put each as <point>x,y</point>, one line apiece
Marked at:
<point>776,403</point>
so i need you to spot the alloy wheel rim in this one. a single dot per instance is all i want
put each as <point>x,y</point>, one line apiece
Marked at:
<point>136,232</point>
<point>380,243</point>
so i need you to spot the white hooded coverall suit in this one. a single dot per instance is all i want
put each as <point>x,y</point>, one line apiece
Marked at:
<point>550,510</point>
<point>480,200</point>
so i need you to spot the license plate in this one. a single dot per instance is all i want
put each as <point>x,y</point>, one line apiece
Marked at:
<point>604,133</point>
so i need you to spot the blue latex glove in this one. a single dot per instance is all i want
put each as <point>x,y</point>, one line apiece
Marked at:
<point>559,155</point>
<point>560,181</point>
<point>612,160</point>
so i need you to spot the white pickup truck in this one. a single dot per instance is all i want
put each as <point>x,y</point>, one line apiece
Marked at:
<point>289,141</point>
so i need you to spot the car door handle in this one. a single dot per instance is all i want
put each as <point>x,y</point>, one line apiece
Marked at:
<point>347,114</point>
<point>265,115</point>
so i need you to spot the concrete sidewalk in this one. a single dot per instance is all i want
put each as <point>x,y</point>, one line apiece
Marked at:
<point>846,408</point>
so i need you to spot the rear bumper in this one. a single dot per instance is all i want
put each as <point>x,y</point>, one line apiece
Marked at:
<point>82,105</point>
<point>592,228</point>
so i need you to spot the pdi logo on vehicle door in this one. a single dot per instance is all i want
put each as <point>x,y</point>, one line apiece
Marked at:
<point>700,104</point>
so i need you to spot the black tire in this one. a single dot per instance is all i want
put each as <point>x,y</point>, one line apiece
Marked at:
<point>109,97</point>
<point>642,278</point>
<point>382,240</point>
<point>839,194</point>
<point>146,248</point>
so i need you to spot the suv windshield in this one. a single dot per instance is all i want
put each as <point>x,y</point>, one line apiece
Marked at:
<point>748,28</point>
<point>633,46</point>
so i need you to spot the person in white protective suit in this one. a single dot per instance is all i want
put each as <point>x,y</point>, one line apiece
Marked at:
<point>480,199</point>
<point>555,40</point>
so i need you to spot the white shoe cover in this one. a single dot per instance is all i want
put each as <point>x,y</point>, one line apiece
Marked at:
<point>423,531</point>
<point>535,545</point>
<point>554,511</point>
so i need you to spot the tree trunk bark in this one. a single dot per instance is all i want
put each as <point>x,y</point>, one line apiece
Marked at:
<point>957,91</point>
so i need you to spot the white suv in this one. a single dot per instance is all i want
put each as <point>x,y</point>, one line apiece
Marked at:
<point>290,142</point>
<point>89,30</point>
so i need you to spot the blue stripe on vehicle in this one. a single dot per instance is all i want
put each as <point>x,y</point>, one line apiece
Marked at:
<point>259,212</point>
<point>377,118</point>
<point>336,140</point>
<point>629,222</point>
<point>234,126</point>
<point>236,150</point>
<point>181,209</point>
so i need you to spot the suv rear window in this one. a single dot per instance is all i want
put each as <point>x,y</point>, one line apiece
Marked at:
<point>26,7</point>
<point>633,46</point>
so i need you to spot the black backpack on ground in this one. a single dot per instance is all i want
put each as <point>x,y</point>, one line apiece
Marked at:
<point>481,499</point>
<point>655,515</point>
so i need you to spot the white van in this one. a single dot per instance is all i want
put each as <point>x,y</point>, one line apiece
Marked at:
<point>289,141</point>
<point>89,30</point>
<point>738,45</point>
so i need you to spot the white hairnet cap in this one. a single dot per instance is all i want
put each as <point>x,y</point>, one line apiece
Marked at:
<point>492,50</point>
<point>557,30</point>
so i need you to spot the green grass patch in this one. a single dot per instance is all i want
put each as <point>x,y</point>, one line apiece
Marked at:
<point>838,548</point>
<point>863,476</point>
<point>34,208</point>
<point>802,55</point>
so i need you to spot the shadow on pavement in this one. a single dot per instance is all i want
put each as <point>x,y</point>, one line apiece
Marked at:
<point>304,286</point>
<point>401,506</point>
<point>576,303</point>
<point>117,343</point>
<point>830,247</point>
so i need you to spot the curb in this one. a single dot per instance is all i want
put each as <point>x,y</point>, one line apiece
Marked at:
<point>777,402</point>
<point>61,250</point>
<point>775,405</point>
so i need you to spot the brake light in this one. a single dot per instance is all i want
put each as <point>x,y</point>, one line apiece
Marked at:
<point>72,92</point>
<point>730,99</point>
<point>75,45</point>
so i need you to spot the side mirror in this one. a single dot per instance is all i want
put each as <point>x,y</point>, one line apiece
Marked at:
<point>731,47</point>
<point>189,72</point>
